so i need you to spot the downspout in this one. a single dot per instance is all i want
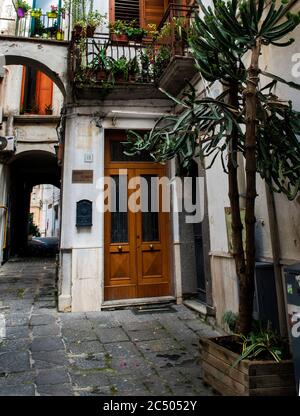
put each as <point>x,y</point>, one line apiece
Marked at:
<point>5,226</point>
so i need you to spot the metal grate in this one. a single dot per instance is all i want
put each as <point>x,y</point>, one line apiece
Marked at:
<point>141,310</point>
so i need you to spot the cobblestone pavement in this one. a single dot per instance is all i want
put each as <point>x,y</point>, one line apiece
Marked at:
<point>101,353</point>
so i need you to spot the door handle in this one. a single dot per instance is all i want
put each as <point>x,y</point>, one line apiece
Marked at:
<point>151,246</point>
<point>120,248</point>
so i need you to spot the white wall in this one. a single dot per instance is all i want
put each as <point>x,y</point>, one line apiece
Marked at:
<point>3,202</point>
<point>225,289</point>
<point>82,263</point>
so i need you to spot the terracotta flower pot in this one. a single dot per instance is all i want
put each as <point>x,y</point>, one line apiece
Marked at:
<point>119,38</point>
<point>90,30</point>
<point>131,78</point>
<point>120,77</point>
<point>137,39</point>
<point>101,75</point>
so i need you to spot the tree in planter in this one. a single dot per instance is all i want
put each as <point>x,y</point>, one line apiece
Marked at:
<point>243,118</point>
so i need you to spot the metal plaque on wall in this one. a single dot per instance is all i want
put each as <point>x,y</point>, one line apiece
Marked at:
<point>82,176</point>
<point>84,213</point>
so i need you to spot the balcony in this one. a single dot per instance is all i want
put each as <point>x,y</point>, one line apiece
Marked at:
<point>179,66</point>
<point>104,66</point>
<point>43,26</point>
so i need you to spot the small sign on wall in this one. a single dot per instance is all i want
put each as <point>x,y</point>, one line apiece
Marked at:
<point>82,176</point>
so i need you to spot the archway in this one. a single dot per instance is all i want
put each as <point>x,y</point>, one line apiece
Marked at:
<point>48,57</point>
<point>21,60</point>
<point>27,169</point>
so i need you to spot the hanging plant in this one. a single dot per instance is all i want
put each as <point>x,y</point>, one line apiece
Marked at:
<point>22,8</point>
<point>53,13</point>
<point>36,13</point>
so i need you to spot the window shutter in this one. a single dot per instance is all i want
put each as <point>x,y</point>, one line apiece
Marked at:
<point>127,10</point>
<point>154,11</point>
<point>44,92</point>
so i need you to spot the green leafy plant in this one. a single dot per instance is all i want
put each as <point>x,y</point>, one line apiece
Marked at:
<point>94,19</point>
<point>244,119</point>
<point>230,319</point>
<point>36,12</point>
<point>119,27</point>
<point>23,5</point>
<point>161,59</point>
<point>120,68</point>
<point>102,62</point>
<point>134,32</point>
<point>176,26</point>
<point>262,343</point>
<point>133,66</point>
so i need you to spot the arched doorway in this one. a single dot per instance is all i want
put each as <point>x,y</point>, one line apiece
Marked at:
<point>27,169</point>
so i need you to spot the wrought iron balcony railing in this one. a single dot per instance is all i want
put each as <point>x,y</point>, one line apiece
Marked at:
<point>102,60</point>
<point>174,26</point>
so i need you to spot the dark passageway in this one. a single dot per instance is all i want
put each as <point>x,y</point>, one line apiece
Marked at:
<point>27,170</point>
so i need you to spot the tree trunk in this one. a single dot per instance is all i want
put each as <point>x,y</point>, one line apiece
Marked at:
<point>247,283</point>
<point>236,223</point>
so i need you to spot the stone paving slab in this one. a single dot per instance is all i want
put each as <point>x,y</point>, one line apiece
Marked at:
<point>20,390</point>
<point>112,353</point>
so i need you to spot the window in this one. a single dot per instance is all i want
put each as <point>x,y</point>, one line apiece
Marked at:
<point>127,10</point>
<point>36,92</point>
<point>144,11</point>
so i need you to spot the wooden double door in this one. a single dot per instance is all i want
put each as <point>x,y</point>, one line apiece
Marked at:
<point>136,238</point>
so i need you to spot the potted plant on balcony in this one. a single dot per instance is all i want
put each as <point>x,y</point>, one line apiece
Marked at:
<point>120,69</point>
<point>93,20</point>
<point>36,13</point>
<point>102,63</point>
<point>22,8</point>
<point>174,33</point>
<point>133,69</point>
<point>161,59</point>
<point>53,12</point>
<point>79,29</point>
<point>246,120</point>
<point>118,31</point>
<point>135,33</point>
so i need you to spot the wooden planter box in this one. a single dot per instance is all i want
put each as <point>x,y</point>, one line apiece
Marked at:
<point>248,378</point>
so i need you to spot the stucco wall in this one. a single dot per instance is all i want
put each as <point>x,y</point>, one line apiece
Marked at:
<point>225,288</point>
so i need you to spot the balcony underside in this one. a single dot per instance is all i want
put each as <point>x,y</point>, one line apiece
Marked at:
<point>119,92</point>
<point>180,70</point>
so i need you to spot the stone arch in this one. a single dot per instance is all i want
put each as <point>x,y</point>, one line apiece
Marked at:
<point>41,166</point>
<point>21,60</point>
<point>48,57</point>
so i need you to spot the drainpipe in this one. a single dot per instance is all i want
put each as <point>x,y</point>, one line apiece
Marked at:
<point>276,252</point>
<point>5,226</point>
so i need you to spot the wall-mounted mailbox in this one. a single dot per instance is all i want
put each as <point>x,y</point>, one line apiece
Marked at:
<point>84,213</point>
